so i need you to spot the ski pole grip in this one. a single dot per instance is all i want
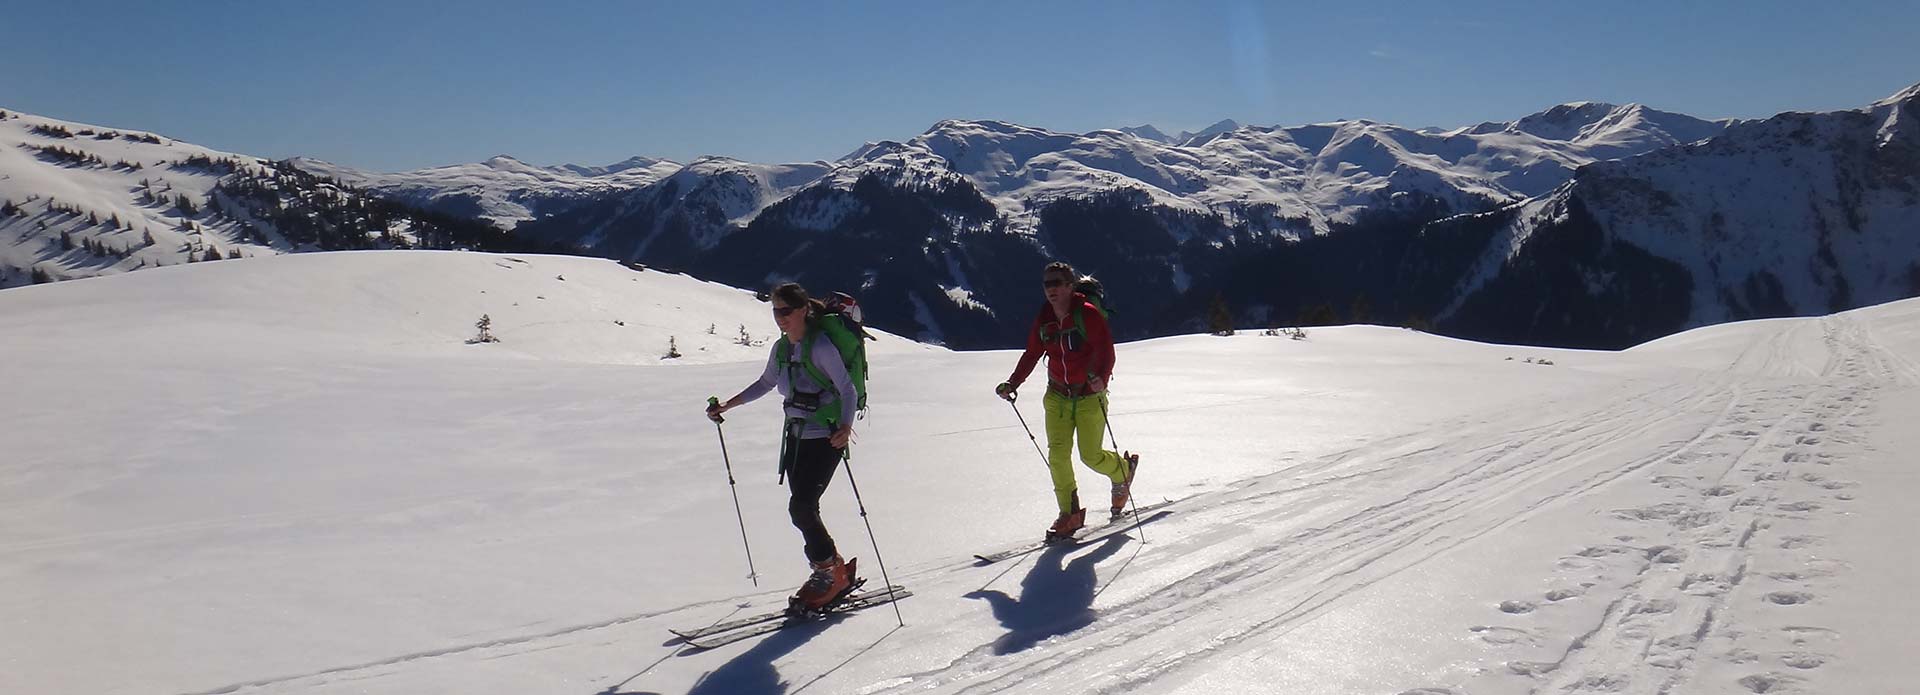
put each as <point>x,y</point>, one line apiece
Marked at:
<point>714,402</point>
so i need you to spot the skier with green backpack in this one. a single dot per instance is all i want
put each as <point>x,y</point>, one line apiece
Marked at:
<point>819,366</point>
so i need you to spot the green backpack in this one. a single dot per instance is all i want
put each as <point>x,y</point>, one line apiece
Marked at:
<point>842,324</point>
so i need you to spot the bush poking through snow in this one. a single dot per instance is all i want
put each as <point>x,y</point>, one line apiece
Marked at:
<point>485,324</point>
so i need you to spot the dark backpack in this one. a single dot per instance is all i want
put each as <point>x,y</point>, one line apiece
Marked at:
<point>1096,295</point>
<point>843,324</point>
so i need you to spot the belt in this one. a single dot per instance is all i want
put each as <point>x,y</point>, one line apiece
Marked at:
<point>1070,390</point>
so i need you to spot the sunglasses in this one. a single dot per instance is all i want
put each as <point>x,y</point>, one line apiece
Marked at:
<point>785,311</point>
<point>1055,282</point>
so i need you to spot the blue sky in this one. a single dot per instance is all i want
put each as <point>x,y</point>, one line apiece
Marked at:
<point>400,85</point>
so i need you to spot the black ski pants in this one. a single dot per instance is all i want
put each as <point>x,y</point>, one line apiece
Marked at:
<point>810,465</point>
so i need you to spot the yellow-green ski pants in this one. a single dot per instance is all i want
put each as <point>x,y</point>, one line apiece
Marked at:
<point>1084,419</point>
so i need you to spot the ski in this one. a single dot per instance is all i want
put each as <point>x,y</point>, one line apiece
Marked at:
<point>1086,535</point>
<point>735,624</point>
<point>781,621</point>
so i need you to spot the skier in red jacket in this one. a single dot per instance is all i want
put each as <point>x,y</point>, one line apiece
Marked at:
<point>1072,332</point>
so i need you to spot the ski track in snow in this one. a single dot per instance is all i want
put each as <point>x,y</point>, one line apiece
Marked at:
<point>1693,559</point>
<point>1738,481</point>
<point>1675,525</point>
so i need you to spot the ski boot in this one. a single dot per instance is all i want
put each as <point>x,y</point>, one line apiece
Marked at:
<point>831,581</point>
<point>1122,491</point>
<point>1067,525</point>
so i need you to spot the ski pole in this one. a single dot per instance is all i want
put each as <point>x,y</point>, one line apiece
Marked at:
<point>714,402</point>
<point>1023,425</point>
<point>1116,446</point>
<point>847,456</point>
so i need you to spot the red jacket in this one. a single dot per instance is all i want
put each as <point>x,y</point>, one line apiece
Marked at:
<point>1072,357</point>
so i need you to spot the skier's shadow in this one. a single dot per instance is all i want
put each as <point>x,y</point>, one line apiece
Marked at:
<point>752,671</point>
<point>1055,598</point>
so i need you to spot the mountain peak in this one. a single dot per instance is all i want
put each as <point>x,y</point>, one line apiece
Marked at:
<point>1225,125</point>
<point>1147,132</point>
<point>635,162</point>
<point>1563,121</point>
<point>1901,96</point>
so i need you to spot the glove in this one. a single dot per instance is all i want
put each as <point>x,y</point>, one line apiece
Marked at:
<point>1004,390</point>
<point>714,409</point>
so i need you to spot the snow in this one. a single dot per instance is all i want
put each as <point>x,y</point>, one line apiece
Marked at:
<point>35,183</point>
<point>1324,174</point>
<point>294,475</point>
<point>1900,97</point>
<point>502,189</point>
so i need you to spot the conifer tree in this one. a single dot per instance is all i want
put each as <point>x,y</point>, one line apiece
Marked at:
<point>1219,317</point>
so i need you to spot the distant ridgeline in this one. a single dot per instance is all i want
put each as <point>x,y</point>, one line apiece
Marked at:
<point>78,201</point>
<point>1586,225</point>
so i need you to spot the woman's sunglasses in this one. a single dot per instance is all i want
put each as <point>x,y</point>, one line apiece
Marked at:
<point>785,311</point>
<point>1055,282</point>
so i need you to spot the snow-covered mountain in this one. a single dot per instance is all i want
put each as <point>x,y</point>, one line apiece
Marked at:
<point>293,475</point>
<point>1355,220</point>
<point>675,220</point>
<point>501,189</point>
<point>78,200</point>
<point>935,229</point>
<point>1310,178</point>
<point>1799,214</point>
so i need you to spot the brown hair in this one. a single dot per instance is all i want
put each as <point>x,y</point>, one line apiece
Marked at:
<point>1060,267</point>
<point>792,294</point>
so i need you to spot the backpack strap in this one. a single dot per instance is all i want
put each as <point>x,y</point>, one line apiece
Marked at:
<point>823,416</point>
<point>1080,323</point>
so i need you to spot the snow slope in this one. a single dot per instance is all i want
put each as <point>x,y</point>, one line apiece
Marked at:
<point>292,475</point>
<point>84,199</point>
<point>1798,214</point>
<point>501,189</point>
<point>1313,175</point>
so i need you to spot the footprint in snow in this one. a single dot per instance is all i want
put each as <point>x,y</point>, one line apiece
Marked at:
<point>1516,607</point>
<point>1800,506</point>
<point>1429,691</point>
<point>1765,682</point>
<point>1803,661</point>
<point>1603,550</point>
<point>1721,490</point>
<point>1563,594</point>
<point>1531,668</point>
<point>1670,481</point>
<point>1666,555</point>
<point>1493,634</point>
<point>1658,606</point>
<point>1788,598</point>
<point>1800,635</point>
